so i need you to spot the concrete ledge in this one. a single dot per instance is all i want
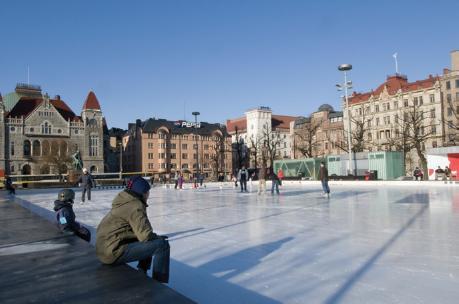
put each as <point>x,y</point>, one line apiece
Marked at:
<point>41,265</point>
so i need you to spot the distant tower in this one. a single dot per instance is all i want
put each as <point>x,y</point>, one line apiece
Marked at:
<point>93,148</point>
<point>2,136</point>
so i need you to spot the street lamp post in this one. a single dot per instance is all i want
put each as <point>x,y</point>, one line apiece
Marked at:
<point>197,150</point>
<point>347,85</point>
<point>121,159</point>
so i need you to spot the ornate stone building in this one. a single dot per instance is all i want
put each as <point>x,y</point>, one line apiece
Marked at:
<point>38,133</point>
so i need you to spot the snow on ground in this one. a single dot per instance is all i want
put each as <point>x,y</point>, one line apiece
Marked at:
<point>372,244</point>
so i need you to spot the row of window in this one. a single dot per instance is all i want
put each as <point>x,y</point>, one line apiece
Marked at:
<point>386,106</point>
<point>174,156</point>
<point>448,84</point>
<point>173,146</point>
<point>152,166</point>
<point>184,137</point>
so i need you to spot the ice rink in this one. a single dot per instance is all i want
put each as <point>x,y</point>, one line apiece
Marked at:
<point>371,244</point>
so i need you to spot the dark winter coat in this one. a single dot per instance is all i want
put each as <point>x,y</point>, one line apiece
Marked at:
<point>274,177</point>
<point>243,175</point>
<point>65,216</point>
<point>323,173</point>
<point>9,183</point>
<point>87,181</point>
<point>127,222</point>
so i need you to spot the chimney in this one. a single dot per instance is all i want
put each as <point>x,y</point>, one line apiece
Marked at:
<point>138,122</point>
<point>57,97</point>
<point>455,60</point>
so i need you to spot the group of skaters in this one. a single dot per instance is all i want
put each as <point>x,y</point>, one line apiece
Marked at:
<point>264,173</point>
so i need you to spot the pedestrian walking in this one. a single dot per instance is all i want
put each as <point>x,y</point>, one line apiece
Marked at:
<point>323,176</point>
<point>242,176</point>
<point>87,182</point>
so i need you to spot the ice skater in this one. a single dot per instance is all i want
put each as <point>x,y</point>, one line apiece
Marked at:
<point>9,185</point>
<point>65,216</point>
<point>323,176</point>
<point>274,182</point>
<point>242,176</point>
<point>87,182</point>
<point>125,234</point>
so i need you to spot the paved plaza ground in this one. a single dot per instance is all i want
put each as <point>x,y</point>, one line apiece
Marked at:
<point>366,244</point>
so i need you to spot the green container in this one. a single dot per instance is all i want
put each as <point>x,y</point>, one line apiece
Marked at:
<point>296,168</point>
<point>388,164</point>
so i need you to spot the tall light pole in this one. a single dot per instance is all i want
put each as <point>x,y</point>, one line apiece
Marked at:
<point>121,159</point>
<point>347,85</point>
<point>197,151</point>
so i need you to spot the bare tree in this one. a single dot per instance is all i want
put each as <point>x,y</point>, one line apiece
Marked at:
<point>361,126</point>
<point>306,134</point>
<point>452,126</point>
<point>413,133</point>
<point>271,141</point>
<point>217,156</point>
<point>239,150</point>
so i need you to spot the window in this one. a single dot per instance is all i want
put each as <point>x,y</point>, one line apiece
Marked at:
<point>457,96</point>
<point>285,145</point>
<point>162,155</point>
<point>151,165</point>
<point>46,128</point>
<point>184,156</point>
<point>432,98</point>
<point>12,148</point>
<point>163,165</point>
<point>396,104</point>
<point>173,155</point>
<point>184,166</point>
<point>26,148</point>
<point>369,123</point>
<point>421,101</point>
<point>93,145</point>
<point>377,121</point>
<point>415,101</point>
<point>432,113</point>
<point>388,106</point>
<point>195,146</point>
<point>387,134</point>
<point>457,83</point>
<point>448,85</point>
<point>195,156</point>
<point>450,111</point>
<point>370,136</point>
<point>448,97</point>
<point>376,108</point>
<point>206,147</point>
<point>434,130</point>
<point>206,156</point>
<point>163,145</point>
<point>405,103</point>
<point>184,146</point>
<point>150,145</point>
<point>150,155</point>
<point>396,118</point>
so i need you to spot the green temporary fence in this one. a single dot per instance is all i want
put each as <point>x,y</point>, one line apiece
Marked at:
<point>306,167</point>
<point>388,164</point>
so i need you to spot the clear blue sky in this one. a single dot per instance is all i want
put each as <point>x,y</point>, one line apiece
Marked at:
<point>149,58</point>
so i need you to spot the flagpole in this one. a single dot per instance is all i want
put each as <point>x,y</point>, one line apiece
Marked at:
<point>396,63</point>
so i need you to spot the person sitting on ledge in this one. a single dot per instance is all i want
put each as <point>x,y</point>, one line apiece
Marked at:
<point>125,234</point>
<point>65,216</point>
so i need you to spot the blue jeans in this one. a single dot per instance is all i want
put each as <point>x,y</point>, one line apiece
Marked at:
<point>276,185</point>
<point>143,252</point>
<point>325,185</point>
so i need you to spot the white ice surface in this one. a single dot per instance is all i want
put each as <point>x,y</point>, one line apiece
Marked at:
<point>372,244</point>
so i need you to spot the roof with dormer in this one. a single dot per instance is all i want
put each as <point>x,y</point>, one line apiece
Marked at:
<point>91,102</point>
<point>393,85</point>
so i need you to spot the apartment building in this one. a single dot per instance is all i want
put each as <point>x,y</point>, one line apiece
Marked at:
<point>161,146</point>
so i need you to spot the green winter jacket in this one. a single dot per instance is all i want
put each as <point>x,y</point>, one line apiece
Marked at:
<point>127,222</point>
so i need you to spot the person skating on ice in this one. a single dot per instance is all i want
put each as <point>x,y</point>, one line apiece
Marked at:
<point>323,176</point>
